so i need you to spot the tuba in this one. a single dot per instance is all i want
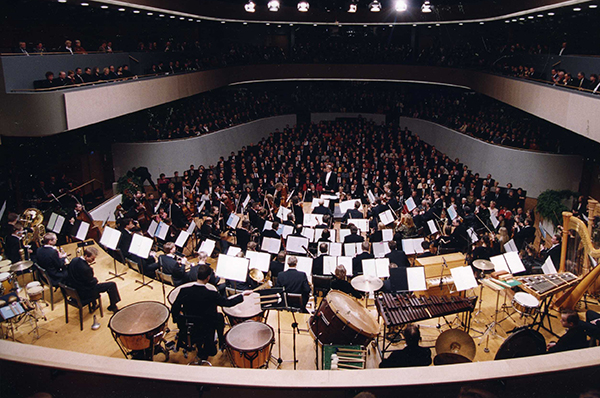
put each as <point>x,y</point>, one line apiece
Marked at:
<point>32,220</point>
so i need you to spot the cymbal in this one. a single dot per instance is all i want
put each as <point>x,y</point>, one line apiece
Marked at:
<point>449,358</point>
<point>365,283</point>
<point>21,266</point>
<point>483,265</point>
<point>456,341</point>
<point>256,275</point>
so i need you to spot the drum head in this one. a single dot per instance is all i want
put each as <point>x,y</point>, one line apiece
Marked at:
<point>522,343</point>
<point>350,311</point>
<point>249,336</point>
<point>4,276</point>
<point>139,318</point>
<point>449,358</point>
<point>455,341</point>
<point>526,300</point>
<point>246,309</point>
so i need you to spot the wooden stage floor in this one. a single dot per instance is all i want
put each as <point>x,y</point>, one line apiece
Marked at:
<point>56,333</point>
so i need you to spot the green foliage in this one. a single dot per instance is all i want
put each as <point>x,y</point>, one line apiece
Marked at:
<point>550,204</point>
<point>128,185</point>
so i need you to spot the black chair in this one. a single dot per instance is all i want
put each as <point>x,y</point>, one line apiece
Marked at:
<point>321,284</point>
<point>72,298</point>
<point>45,280</point>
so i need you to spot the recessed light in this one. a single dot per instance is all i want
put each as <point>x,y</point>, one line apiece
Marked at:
<point>85,4</point>
<point>245,23</point>
<point>104,7</point>
<point>530,17</point>
<point>540,15</point>
<point>150,13</point>
<point>291,24</point>
<point>122,9</point>
<point>279,26</point>
<point>507,21</point>
<point>551,14</point>
<point>461,24</point>
<point>576,9</point>
<point>314,24</point>
<point>183,19</point>
<point>391,26</point>
<point>172,17</point>
<point>364,26</point>
<point>513,20</point>
<point>429,27</point>
<point>222,21</point>
<point>198,20</point>
<point>163,15</point>
<point>593,6</point>
<point>62,1</point>
<point>521,19</point>
<point>481,23</point>
<point>136,11</point>
<point>268,24</point>
<point>414,25</point>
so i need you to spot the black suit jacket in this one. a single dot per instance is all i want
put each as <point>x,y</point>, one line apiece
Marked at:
<point>276,267</point>
<point>352,213</point>
<point>554,254</point>
<point>399,258</point>
<point>198,301</point>
<point>81,278</point>
<point>525,235</point>
<point>11,248</point>
<point>47,258</point>
<point>318,265</point>
<point>353,238</point>
<point>357,268</point>
<point>574,339</point>
<point>322,210</point>
<point>242,238</point>
<point>294,281</point>
<point>170,266</point>
<point>332,184</point>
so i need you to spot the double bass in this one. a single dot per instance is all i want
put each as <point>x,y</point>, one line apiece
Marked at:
<point>94,232</point>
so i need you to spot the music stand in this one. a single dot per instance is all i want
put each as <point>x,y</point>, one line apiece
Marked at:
<point>110,239</point>
<point>141,246</point>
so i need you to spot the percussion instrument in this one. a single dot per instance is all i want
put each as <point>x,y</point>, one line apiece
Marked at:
<point>457,342</point>
<point>35,291</point>
<point>6,282</point>
<point>340,319</point>
<point>542,286</point>
<point>366,284</point>
<point>256,275</point>
<point>448,358</point>
<point>249,344</point>
<point>401,308</point>
<point>483,265</point>
<point>249,309</point>
<point>21,266</point>
<point>139,326</point>
<point>5,265</point>
<point>524,342</point>
<point>525,304</point>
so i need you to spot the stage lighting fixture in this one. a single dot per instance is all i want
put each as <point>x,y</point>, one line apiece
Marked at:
<point>426,7</point>
<point>273,5</point>
<point>375,6</point>
<point>401,6</point>
<point>352,8</point>
<point>303,6</point>
<point>250,6</point>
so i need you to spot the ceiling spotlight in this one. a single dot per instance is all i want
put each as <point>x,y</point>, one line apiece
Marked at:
<point>437,24</point>
<point>521,19</point>
<point>551,14</point>
<point>172,17</point>
<point>415,25</point>
<point>507,21</point>
<point>352,8</point>
<point>163,15</point>
<point>540,15</point>
<point>530,17</point>
<point>222,21</point>
<point>513,20</point>
<point>391,26</point>
<point>181,18</point>
<point>461,24</point>
<point>273,5</point>
<point>303,6</point>
<point>291,24</point>
<point>400,6</point>
<point>268,24</point>
<point>375,6</point>
<point>593,6</point>
<point>62,1</point>
<point>121,9</point>
<point>245,23</point>
<point>191,19</point>
<point>150,13</point>
<point>85,4</point>
<point>576,9</point>
<point>426,7</point>
<point>314,24</point>
<point>250,6</point>
<point>104,7</point>
<point>364,26</point>
<point>136,11</point>
<point>481,23</point>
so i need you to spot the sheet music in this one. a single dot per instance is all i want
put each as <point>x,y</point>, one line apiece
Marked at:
<point>369,267</point>
<point>347,205</point>
<point>511,246</point>
<point>312,220</point>
<point>233,250</point>
<point>342,235</point>
<point>432,227</point>
<point>315,203</point>
<point>472,235</point>
<point>110,238</point>
<point>463,277</point>
<point>548,266</point>
<point>309,233</point>
<point>371,196</point>
<point>285,230</point>
<point>246,201</point>
<point>161,231</point>
<point>232,268</point>
<point>157,205</point>
<point>208,246</point>
<point>542,230</point>
<point>386,217</point>
<point>334,249</point>
<point>329,264</point>
<point>82,230</point>
<point>201,207</point>
<point>361,223</point>
<point>295,244</point>
<point>268,225</point>
<point>191,228</point>
<point>318,232</point>
<point>380,249</point>
<point>259,260</point>
<point>304,265</point>
<point>271,245</point>
<point>416,279</point>
<point>140,246</point>
<point>514,262</point>
<point>347,263</point>
<point>410,204</point>
<point>182,239</point>
<point>56,222</point>
<point>382,265</point>
<point>352,249</point>
<point>452,212</point>
<point>388,234</point>
<point>499,263</point>
<point>152,228</point>
<point>494,220</point>
<point>233,220</point>
<point>329,196</point>
<point>283,212</point>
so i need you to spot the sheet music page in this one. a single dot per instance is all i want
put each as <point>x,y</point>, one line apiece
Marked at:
<point>346,262</point>
<point>463,277</point>
<point>286,230</point>
<point>382,266</point>
<point>208,246</point>
<point>335,249</point>
<point>283,212</point>
<point>259,260</point>
<point>418,245</point>
<point>333,235</point>
<point>371,196</point>
<point>548,266</point>
<point>82,230</point>
<point>191,228</point>
<point>246,201</point>
<point>140,246</point>
<point>295,244</point>
<point>380,249</point>
<point>329,264</point>
<point>369,267</point>
<point>386,217</point>
<point>60,221</point>
<point>499,263</point>
<point>342,235</point>
<point>472,235</point>
<point>268,225</point>
<point>233,220</point>
<point>309,233</point>
<point>432,228</point>
<point>312,220</point>
<point>233,250</point>
<point>416,279</point>
<point>304,265</point>
<point>452,212</point>
<point>347,205</point>
<point>408,246</point>
<point>201,207</point>
<point>152,228</point>
<point>361,223</point>
<point>232,268</point>
<point>350,249</point>
<point>271,245</point>
<point>315,203</point>
<point>317,235</point>
<point>511,246</point>
<point>52,222</point>
<point>514,262</point>
<point>182,239</point>
<point>110,238</point>
<point>410,204</point>
<point>494,220</point>
<point>161,232</point>
<point>330,197</point>
<point>542,230</point>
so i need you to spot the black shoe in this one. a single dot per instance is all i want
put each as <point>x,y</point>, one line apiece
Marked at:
<point>113,308</point>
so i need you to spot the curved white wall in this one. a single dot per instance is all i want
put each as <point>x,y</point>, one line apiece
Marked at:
<point>531,170</point>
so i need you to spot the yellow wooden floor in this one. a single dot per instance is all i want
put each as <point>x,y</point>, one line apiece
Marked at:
<point>56,333</point>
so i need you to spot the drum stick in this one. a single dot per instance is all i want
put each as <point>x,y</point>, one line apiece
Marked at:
<point>351,350</point>
<point>345,365</point>
<point>348,359</point>
<point>268,296</point>
<point>269,302</point>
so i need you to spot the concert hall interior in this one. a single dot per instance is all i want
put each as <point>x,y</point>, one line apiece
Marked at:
<point>345,198</point>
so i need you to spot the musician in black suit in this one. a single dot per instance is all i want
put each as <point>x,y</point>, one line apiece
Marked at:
<point>272,233</point>
<point>329,181</point>
<point>49,258</point>
<point>12,243</point>
<point>553,252</point>
<point>171,266</point>
<point>575,337</point>
<point>412,354</point>
<point>277,265</point>
<point>525,235</point>
<point>357,268</point>
<point>318,262</point>
<point>199,302</point>
<point>143,174</point>
<point>353,213</point>
<point>354,237</point>
<point>340,283</point>
<point>294,281</point>
<point>243,236</point>
<point>397,257</point>
<point>81,278</point>
<point>297,210</point>
<point>322,209</point>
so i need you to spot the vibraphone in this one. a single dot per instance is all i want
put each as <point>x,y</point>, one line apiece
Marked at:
<point>542,286</point>
<point>401,308</point>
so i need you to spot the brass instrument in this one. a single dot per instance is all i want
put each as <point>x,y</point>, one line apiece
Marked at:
<point>32,220</point>
<point>569,299</point>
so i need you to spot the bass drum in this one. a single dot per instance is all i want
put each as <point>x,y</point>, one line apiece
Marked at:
<point>523,342</point>
<point>341,320</point>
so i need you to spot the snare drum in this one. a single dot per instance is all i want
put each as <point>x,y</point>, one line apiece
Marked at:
<point>35,291</point>
<point>342,320</point>
<point>5,265</point>
<point>249,344</point>
<point>525,304</point>
<point>6,281</point>
<point>247,310</point>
